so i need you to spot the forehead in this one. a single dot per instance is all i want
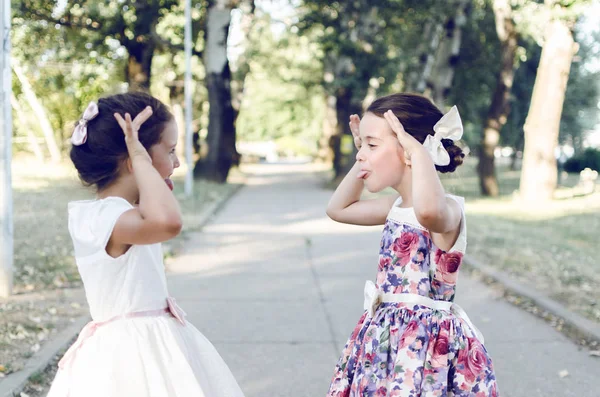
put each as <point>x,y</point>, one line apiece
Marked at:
<point>374,126</point>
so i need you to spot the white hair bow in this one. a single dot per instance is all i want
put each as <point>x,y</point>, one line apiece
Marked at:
<point>80,133</point>
<point>449,127</point>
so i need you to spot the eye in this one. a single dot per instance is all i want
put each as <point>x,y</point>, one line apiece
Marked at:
<point>371,145</point>
<point>172,151</point>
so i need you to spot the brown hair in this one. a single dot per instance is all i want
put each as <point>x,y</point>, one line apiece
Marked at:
<point>98,160</point>
<point>418,115</point>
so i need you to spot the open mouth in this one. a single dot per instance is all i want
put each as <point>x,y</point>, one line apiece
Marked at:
<point>363,174</point>
<point>169,183</point>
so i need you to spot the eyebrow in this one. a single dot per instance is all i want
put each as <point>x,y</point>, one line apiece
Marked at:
<point>372,137</point>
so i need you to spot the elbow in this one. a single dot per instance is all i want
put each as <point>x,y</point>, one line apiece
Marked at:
<point>428,218</point>
<point>174,226</point>
<point>171,225</point>
<point>331,213</point>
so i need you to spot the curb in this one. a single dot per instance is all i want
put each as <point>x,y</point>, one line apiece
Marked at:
<point>584,327</point>
<point>13,384</point>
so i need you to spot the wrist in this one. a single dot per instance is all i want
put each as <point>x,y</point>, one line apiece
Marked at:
<point>417,151</point>
<point>139,157</point>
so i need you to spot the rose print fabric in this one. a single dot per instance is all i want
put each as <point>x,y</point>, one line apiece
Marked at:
<point>408,350</point>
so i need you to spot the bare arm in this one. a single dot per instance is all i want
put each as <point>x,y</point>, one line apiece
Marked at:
<point>158,217</point>
<point>345,205</point>
<point>433,209</point>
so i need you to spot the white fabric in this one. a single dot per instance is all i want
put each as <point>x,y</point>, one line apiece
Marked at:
<point>449,127</point>
<point>407,216</point>
<point>374,297</point>
<point>145,356</point>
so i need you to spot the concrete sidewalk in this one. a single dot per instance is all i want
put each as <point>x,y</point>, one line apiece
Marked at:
<point>277,287</point>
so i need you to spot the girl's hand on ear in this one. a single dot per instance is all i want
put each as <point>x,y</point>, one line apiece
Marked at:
<point>131,129</point>
<point>354,123</point>
<point>407,141</point>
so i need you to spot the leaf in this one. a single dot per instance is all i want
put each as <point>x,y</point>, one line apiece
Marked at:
<point>563,374</point>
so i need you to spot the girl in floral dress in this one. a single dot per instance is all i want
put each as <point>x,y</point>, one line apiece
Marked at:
<point>412,339</point>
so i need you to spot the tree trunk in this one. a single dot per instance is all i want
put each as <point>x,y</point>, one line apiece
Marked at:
<point>349,97</point>
<point>238,83</point>
<point>222,154</point>
<point>422,52</point>
<point>31,138</point>
<point>345,106</point>
<point>40,114</point>
<point>539,173</point>
<point>500,106</point>
<point>327,147</point>
<point>139,65</point>
<point>439,80</point>
<point>427,59</point>
<point>339,109</point>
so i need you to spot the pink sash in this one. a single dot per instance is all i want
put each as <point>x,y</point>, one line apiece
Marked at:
<point>91,327</point>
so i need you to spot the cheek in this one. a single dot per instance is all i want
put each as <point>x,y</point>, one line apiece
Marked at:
<point>385,159</point>
<point>161,162</point>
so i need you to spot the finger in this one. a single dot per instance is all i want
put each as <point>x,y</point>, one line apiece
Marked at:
<point>121,121</point>
<point>354,122</point>
<point>130,130</point>
<point>394,122</point>
<point>142,117</point>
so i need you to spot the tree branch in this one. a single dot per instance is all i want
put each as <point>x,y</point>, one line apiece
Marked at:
<point>164,43</point>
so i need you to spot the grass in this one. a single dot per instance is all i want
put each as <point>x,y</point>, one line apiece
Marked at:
<point>550,246</point>
<point>45,300</point>
<point>43,251</point>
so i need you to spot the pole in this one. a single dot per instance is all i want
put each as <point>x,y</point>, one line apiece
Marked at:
<point>189,180</point>
<point>6,210</point>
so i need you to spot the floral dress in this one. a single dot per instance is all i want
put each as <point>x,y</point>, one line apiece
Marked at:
<point>411,350</point>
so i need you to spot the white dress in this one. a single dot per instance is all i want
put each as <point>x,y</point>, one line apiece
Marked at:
<point>135,346</point>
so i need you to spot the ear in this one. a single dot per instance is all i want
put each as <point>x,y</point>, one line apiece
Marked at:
<point>129,165</point>
<point>407,159</point>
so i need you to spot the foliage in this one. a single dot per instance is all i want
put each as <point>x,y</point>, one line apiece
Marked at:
<point>282,96</point>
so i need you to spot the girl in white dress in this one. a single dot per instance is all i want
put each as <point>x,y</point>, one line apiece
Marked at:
<point>139,342</point>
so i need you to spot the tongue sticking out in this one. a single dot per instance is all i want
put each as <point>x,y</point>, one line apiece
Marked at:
<point>169,183</point>
<point>361,174</point>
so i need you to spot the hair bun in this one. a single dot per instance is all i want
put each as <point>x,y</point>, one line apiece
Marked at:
<point>456,156</point>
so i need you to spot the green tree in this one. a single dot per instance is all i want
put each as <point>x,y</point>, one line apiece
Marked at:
<point>283,99</point>
<point>366,49</point>
<point>97,23</point>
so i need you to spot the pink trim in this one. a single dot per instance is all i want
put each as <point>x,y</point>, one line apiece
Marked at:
<point>91,327</point>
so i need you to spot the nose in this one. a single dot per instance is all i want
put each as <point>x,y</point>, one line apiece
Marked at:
<point>176,164</point>
<point>359,155</point>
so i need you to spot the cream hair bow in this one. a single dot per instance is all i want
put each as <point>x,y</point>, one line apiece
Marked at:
<point>80,133</point>
<point>449,127</point>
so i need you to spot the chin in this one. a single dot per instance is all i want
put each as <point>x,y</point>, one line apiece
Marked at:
<point>374,188</point>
